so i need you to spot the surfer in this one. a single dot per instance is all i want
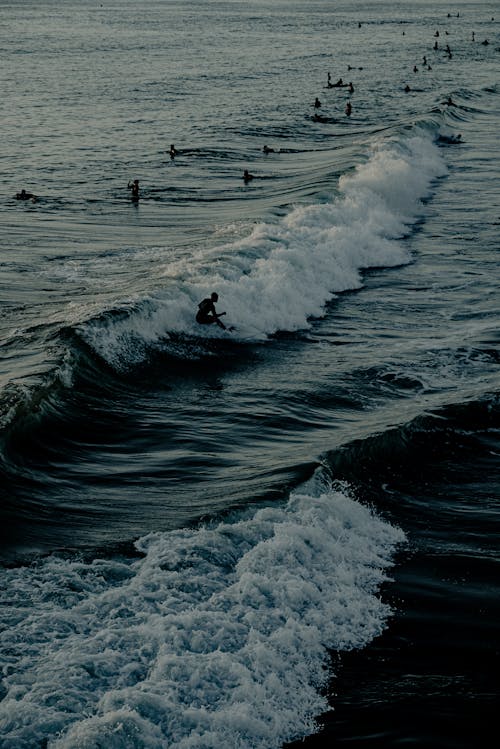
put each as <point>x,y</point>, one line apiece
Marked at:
<point>207,314</point>
<point>247,176</point>
<point>454,139</point>
<point>348,109</point>
<point>266,149</point>
<point>317,103</point>
<point>134,186</point>
<point>172,152</point>
<point>23,195</point>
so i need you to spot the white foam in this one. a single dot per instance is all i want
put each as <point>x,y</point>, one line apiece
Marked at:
<point>282,274</point>
<point>217,637</point>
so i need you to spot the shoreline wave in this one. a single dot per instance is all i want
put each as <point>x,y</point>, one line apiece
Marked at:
<point>216,634</point>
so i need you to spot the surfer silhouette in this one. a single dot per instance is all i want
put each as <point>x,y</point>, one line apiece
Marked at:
<point>207,314</point>
<point>134,187</point>
<point>23,195</point>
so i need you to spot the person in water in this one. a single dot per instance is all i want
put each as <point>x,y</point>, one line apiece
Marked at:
<point>172,152</point>
<point>317,103</point>
<point>247,176</point>
<point>207,314</point>
<point>23,195</point>
<point>348,109</point>
<point>454,139</point>
<point>266,149</point>
<point>134,186</point>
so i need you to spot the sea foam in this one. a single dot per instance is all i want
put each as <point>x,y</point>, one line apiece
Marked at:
<point>283,273</point>
<point>216,637</point>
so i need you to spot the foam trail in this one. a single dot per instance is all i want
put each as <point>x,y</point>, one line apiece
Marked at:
<point>217,637</point>
<point>284,273</point>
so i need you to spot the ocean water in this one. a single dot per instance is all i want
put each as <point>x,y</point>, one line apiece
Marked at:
<point>286,534</point>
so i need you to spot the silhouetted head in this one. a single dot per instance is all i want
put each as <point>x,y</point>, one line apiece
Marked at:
<point>214,297</point>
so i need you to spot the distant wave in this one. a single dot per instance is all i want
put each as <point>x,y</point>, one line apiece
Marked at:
<point>409,447</point>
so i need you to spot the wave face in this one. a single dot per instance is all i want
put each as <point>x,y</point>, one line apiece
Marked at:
<point>216,636</point>
<point>284,273</point>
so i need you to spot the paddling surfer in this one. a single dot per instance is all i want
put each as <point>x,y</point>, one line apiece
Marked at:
<point>23,195</point>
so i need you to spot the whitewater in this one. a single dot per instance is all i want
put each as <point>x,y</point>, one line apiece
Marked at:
<point>282,274</point>
<point>215,636</point>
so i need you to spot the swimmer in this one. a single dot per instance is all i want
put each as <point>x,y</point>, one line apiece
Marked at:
<point>207,315</point>
<point>407,88</point>
<point>351,88</point>
<point>266,149</point>
<point>348,108</point>
<point>134,186</point>
<point>247,176</point>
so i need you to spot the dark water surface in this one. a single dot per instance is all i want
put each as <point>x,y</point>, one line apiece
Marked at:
<point>289,532</point>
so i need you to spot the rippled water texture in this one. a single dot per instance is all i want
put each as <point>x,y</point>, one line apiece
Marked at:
<point>286,532</point>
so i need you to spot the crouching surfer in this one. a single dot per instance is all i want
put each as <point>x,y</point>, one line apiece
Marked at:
<point>207,314</point>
